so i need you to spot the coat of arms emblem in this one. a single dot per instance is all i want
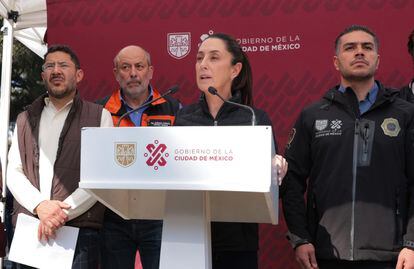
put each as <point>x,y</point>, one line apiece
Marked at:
<point>125,154</point>
<point>179,44</point>
<point>320,125</point>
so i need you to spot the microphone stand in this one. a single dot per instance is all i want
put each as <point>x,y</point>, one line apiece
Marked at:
<point>213,91</point>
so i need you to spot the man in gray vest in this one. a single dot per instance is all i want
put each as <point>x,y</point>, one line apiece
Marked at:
<point>44,159</point>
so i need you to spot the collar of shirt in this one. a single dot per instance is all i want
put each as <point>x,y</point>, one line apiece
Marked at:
<point>51,107</point>
<point>369,100</point>
<point>136,116</point>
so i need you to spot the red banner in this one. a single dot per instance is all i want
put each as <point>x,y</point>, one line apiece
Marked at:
<point>290,44</point>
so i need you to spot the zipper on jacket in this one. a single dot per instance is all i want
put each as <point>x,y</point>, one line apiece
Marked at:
<point>365,136</point>
<point>354,174</point>
<point>215,123</point>
<point>398,222</point>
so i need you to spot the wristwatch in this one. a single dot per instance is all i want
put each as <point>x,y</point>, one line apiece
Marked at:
<point>408,244</point>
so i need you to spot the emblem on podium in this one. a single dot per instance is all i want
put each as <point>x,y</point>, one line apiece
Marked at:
<point>125,153</point>
<point>156,154</point>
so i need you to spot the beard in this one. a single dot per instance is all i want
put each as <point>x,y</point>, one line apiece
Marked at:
<point>136,91</point>
<point>58,93</point>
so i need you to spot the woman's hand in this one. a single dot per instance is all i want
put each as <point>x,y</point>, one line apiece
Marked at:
<point>281,167</point>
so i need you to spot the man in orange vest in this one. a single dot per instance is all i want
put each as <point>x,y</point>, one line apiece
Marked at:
<point>122,238</point>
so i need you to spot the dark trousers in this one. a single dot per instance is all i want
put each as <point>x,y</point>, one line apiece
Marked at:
<point>234,259</point>
<point>121,239</point>
<point>86,252</point>
<point>341,264</point>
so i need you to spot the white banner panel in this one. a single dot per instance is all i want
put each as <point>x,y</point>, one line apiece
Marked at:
<point>177,158</point>
<point>131,170</point>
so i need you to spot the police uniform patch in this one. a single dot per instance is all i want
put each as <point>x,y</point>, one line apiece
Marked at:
<point>336,124</point>
<point>391,127</point>
<point>326,128</point>
<point>292,134</point>
<point>320,125</point>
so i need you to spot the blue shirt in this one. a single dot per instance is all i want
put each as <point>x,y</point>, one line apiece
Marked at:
<point>136,116</point>
<point>369,100</point>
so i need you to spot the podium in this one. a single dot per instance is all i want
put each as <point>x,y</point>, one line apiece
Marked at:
<point>187,176</point>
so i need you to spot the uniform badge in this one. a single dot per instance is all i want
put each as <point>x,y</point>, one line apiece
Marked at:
<point>391,127</point>
<point>125,154</point>
<point>320,125</point>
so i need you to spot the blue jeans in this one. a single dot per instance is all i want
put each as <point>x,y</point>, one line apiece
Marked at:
<point>121,239</point>
<point>86,252</point>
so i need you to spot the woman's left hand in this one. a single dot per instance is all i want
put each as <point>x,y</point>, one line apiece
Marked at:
<point>281,167</point>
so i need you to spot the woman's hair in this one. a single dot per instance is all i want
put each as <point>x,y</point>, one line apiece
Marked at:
<point>243,82</point>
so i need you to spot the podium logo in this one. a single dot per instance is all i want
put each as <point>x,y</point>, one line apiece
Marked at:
<point>125,154</point>
<point>179,44</point>
<point>156,153</point>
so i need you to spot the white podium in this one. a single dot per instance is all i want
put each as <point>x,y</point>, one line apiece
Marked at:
<point>187,176</point>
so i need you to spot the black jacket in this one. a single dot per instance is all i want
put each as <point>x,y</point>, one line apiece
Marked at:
<point>226,236</point>
<point>361,177</point>
<point>406,92</point>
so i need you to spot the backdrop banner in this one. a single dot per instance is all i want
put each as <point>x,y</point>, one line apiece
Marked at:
<point>290,45</point>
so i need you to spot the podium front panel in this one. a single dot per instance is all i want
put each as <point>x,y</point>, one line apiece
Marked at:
<point>131,169</point>
<point>177,158</point>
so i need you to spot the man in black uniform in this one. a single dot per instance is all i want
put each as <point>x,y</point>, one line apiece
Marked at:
<point>353,154</point>
<point>407,92</point>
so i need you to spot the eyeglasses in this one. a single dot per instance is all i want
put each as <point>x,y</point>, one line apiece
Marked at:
<point>61,65</point>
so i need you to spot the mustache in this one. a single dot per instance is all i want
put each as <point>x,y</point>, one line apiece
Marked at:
<point>53,76</point>
<point>133,80</point>
<point>360,60</point>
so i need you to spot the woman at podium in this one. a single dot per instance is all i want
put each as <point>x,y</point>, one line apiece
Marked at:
<point>224,76</point>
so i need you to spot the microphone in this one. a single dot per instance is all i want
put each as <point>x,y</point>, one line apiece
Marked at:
<point>213,91</point>
<point>171,90</point>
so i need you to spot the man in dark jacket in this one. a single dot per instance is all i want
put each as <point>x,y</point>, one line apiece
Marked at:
<point>44,159</point>
<point>352,153</point>
<point>407,91</point>
<point>122,238</point>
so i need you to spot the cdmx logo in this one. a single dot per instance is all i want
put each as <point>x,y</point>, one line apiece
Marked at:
<point>156,154</point>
